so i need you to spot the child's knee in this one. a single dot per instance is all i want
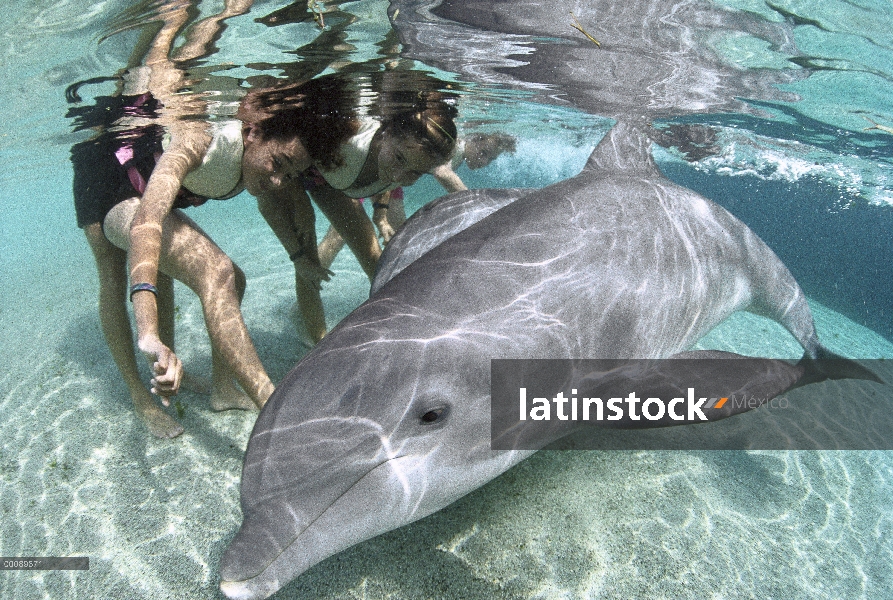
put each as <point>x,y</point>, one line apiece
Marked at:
<point>240,279</point>
<point>231,272</point>
<point>221,274</point>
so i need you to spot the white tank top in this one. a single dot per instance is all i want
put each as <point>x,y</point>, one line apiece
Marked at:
<point>221,168</point>
<point>355,152</point>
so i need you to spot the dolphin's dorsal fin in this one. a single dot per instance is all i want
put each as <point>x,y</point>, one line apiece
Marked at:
<point>624,148</point>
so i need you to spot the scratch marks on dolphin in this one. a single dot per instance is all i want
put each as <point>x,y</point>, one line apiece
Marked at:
<point>326,422</point>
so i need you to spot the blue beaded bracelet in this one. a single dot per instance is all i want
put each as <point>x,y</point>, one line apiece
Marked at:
<point>142,287</point>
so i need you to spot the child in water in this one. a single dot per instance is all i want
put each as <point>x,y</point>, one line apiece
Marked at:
<point>345,154</point>
<point>476,150</point>
<point>153,158</point>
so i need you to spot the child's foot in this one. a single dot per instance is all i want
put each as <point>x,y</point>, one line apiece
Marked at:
<point>160,424</point>
<point>227,395</point>
<point>305,338</point>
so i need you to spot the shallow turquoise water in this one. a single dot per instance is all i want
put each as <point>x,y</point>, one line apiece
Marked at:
<point>79,475</point>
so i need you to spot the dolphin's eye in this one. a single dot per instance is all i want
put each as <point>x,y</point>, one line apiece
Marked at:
<point>433,416</point>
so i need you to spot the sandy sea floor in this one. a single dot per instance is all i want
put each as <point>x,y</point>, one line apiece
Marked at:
<point>79,475</point>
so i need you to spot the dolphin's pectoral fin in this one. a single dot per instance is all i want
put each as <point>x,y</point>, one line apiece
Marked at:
<point>828,365</point>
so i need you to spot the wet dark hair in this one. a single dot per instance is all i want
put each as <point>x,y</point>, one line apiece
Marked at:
<point>431,123</point>
<point>320,113</point>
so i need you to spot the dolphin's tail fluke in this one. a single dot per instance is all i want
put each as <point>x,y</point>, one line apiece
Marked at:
<point>828,365</point>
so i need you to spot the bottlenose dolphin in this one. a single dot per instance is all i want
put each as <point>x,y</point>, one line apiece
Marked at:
<point>387,420</point>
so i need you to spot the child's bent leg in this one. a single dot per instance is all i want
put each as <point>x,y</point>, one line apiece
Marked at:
<point>111,264</point>
<point>293,220</point>
<point>166,316</point>
<point>190,256</point>
<point>329,247</point>
<point>225,392</point>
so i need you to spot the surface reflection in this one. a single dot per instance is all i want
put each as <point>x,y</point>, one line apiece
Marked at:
<point>654,58</point>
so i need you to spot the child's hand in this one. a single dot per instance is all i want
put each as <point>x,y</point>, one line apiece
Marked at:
<point>311,272</point>
<point>166,368</point>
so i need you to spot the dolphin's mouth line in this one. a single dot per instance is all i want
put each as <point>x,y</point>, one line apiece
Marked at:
<point>318,517</point>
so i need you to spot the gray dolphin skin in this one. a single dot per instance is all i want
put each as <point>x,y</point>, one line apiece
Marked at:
<point>387,419</point>
<point>436,222</point>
